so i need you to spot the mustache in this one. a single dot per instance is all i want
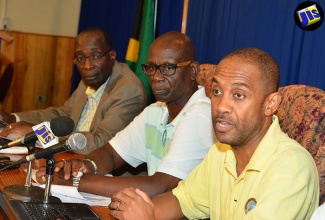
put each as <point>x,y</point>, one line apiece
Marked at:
<point>224,117</point>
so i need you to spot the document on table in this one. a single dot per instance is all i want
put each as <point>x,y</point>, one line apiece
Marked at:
<point>71,194</point>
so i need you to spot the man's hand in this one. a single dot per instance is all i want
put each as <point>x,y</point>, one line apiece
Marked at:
<point>7,118</point>
<point>19,128</point>
<point>57,177</point>
<point>131,203</point>
<point>64,169</point>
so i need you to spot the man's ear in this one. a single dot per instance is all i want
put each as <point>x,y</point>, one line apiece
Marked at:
<point>272,103</point>
<point>195,69</point>
<point>112,55</point>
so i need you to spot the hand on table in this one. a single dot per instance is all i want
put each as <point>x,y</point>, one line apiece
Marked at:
<point>18,128</point>
<point>64,169</point>
<point>6,118</point>
<point>131,203</point>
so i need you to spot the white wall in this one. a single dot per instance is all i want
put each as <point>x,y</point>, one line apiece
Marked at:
<point>50,17</point>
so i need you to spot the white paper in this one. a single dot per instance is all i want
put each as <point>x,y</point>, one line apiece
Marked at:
<point>71,194</point>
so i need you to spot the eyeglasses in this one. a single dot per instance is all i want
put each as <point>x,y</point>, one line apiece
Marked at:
<point>166,69</point>
<point>94,58</point>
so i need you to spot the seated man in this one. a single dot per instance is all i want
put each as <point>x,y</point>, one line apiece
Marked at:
<point>172,135</point>
<point>107,99</point>
<point>255,171</point>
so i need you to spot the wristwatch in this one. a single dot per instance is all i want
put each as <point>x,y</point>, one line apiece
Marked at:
<point>92,163</point>
<point>76,179</point>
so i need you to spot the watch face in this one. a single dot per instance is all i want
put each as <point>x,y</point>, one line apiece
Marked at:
<point>80,174</point>
<point>76,179</point>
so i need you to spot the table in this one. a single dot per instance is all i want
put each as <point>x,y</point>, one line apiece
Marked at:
<point>18,176</point>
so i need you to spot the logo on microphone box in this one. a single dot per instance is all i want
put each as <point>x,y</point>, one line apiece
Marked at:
<point>309,15</point>
<point>45,135</point>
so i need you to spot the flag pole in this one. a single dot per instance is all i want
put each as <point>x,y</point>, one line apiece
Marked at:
<point>184,19</point>
<point>155,19</point>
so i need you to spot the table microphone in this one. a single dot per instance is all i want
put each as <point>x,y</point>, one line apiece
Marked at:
<point>60,126</point>
<point>76,141</point>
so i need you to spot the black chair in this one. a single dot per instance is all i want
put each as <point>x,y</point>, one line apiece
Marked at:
<point>5,81</point>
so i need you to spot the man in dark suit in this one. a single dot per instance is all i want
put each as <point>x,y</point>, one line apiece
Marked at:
<point>107,99</point>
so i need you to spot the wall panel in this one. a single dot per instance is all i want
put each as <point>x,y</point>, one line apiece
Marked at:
<point>42,70</point>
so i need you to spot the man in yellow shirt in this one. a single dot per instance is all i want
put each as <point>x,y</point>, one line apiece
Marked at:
<point>255,171</point>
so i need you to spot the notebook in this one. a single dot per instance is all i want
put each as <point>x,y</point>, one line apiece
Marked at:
<point>39,211</point>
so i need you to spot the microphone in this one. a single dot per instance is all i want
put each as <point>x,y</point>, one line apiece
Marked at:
<point>76,141</point>
<point>60,126</point>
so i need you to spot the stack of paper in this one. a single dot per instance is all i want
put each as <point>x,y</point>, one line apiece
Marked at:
<point>71,194</point>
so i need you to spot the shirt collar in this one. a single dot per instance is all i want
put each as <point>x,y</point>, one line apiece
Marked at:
<point>90,91</point>
<point>267,146</point>
<point>263,152</point>
<point>199,94</point>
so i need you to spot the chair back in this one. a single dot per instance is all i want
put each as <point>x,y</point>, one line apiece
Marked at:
<point>205,75</point>
<point>302,116</point>
<point>5,81</point>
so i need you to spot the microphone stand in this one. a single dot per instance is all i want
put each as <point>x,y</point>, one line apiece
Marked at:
<point>27,191</point>
<point>50,163</point>
<point>31,150</point>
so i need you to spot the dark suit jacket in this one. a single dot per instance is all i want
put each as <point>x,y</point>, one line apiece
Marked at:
<point>123,99</point>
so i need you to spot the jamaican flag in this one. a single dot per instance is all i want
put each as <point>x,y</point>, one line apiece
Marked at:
<point>140,41</point>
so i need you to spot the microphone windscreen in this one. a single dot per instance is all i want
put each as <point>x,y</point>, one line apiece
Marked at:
<point>77,141</point>
<point>62,126</point>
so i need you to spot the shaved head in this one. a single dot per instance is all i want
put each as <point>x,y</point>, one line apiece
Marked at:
<point>177,42</point>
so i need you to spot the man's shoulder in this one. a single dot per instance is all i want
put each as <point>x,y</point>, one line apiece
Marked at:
<point>156,108</point>
<point>123,69</point>
<point>290,157</point>
<point>198,103</point>
<point>287,144</point>
<point>122,74</point>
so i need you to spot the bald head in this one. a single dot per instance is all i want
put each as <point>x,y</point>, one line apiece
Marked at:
<point>176,42</point>
<point>175,82</point>
<point>265,62</point>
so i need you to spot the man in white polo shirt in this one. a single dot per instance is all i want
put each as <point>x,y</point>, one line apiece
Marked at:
<point>171,136</point>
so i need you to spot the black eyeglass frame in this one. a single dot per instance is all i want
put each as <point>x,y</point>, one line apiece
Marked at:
<point>91,58</point>
<point>166,65</point>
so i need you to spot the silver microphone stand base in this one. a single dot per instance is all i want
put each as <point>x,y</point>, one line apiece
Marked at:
<point>49,199</point>
<point>22,192</point>
<point>27,193</point>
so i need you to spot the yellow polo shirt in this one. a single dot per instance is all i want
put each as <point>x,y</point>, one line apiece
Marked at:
<point>280,182</point>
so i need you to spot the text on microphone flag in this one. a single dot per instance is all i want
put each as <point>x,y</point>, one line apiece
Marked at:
<point>45,135</point>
